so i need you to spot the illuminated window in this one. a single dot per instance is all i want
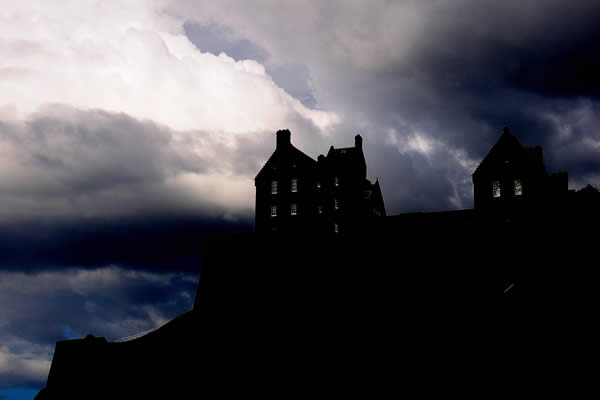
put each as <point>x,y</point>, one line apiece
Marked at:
<point>294,185</point>
<point>336,228</point>
<point>336,181</point>
<point>294,209</point>
<point>320,209</point>
<point>336,204</point>
<point>318,185</point>
<point>273,211</point>
<point>496,189</point>
<point>518,188</point>
<point>273,187</point>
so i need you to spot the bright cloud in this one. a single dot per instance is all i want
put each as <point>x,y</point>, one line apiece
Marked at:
<point>129,56</point>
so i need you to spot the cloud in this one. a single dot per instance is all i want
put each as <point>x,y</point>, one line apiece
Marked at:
<point>66,162</point>
<point>455,72</point>
<point>110,301</point>
<point>129,57</point>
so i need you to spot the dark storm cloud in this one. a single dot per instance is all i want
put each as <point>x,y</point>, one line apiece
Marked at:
<point>92,188</point>
<point>473,68</point>
<point>546,47</point>
<point>64,162</point>
<point>167,243</point>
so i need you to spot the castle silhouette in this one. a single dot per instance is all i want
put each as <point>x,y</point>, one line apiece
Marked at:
<point>295,193</point>
<point>381,305</point>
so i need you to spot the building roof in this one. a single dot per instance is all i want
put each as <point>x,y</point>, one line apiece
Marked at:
<point>509,146</point>
<point>345,156</point>
<point>288,151</point>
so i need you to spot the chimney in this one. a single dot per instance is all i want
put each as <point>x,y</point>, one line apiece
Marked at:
<point>506,130</point>
<point>283,138</point>
<point>358,142</point>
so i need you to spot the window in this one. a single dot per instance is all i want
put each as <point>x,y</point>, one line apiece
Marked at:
<point>294,185</point>
<point>293,209</point>
<point>273,187</point>
<point>318,185</point>
<point>336,228</point>
<point>319,210</point>
<point>273,211</point>
<point>336,204</point>
<point>496,188</point>
<point>336,181</point>
<point>518,188</point>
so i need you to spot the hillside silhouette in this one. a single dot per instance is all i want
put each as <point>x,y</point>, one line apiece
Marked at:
<point>416,302</point>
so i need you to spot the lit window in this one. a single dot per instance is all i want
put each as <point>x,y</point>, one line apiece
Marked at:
<point>336,181</point>
<point>518,188</point>
<point>294,185</point>
<point>336,204</point>
<point>320,209</point>
<point>336,228</point>
<point>294,209</point>
<point>273,187</point>
<point>273,211</point>
<point>318,185</point>
<point>496,189</point>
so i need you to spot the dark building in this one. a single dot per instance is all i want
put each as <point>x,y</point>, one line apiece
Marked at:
<point>295,193</point>
<point>330,318</point>
<point>512,182</point>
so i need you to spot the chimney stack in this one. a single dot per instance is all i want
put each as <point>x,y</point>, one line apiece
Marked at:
<point>283,138</point>
<point>358,141</point>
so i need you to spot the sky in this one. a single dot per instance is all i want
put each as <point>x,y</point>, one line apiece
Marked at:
<point>131,130</point>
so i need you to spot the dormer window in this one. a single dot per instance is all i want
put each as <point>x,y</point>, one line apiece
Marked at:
<point>273,211</point>
<point>496,188</point>
<point>294,185</point>
<point>518,187</point>
<point>273,187</point>
<point>294,209</point>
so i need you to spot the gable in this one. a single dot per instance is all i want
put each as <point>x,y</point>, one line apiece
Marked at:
<point>284,158</point>
<point>509,152</point>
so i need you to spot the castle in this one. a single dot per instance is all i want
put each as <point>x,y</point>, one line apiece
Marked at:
<point>274,317</point>
<point>295,193</point>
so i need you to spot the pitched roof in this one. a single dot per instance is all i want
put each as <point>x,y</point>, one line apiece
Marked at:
<point>291,152</point>
<point>507,143</point>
